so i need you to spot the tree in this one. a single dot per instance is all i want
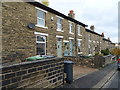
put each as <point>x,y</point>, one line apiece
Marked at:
<point>116,51</point>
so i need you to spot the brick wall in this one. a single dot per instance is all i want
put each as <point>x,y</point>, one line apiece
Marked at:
<point>47,73</point>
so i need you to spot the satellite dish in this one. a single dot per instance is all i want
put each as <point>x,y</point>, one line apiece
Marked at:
<point>31,25</point>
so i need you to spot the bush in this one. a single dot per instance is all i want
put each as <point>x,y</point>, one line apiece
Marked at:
<point>97,54</point>
<point>105,52</point>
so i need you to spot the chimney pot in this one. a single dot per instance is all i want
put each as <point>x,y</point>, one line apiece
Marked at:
<point>103,34</point>
<point>92,27</point>
<point>71,11</point>
<point>71,14</point>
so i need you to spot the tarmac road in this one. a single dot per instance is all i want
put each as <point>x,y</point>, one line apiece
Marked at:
<point>114,82</point>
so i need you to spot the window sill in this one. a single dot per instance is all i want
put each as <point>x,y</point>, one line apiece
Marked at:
<point>80,52</point>
<point>41,26</point>
<point>89,40</point>
<point>79,35</point>
<point>60,30</point>
<point>71,33</point>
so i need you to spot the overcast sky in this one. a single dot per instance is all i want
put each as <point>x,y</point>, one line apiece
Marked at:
<point>101,13</point>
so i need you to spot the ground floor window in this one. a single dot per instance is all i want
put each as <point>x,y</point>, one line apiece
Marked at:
<point>79,45</point>
<point>40,45</point>
<point>89,49</point>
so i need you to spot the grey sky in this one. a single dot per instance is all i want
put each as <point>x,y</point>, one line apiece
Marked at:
<point>101,13</point>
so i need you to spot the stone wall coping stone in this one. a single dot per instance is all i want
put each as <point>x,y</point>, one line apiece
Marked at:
<point>29,62</point>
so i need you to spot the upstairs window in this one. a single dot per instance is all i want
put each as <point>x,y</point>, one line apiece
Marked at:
<point>79,44</point>
<point>40,18</point>
<point>89,36</point>
<point>59,24</point>
<point>79,30</point>
<point>70,27</point>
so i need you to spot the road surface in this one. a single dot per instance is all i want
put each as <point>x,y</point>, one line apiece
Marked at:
<point>114,82</point>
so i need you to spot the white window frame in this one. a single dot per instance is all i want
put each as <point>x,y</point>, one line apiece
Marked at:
<point>89,36</point>
<point>43,11</point>
<point>79,41</point>
<point>79,30</point>
<point>71,27</point>
<point>89,48</point>
<point>42,35</point>
<point>80,45</point>
<point>41,42</point>
<point>58,36</point>
<point>60,24</point>
<point>71,38</point>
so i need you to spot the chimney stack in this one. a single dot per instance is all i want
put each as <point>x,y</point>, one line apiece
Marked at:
<point>92,27</point>
<point>71,14</point>
<point>108,38</point>
<point>45,2</point>
<point>103,34</point>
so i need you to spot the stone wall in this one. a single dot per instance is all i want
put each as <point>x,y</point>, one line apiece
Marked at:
<point>48,73</point>
<point>101,61</point>
<point>81,61</point>
<point>18,41</point>
<point>94,62</point>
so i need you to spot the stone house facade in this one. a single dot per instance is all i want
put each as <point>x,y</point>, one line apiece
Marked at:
<point>108,44</point>
<point>31,28</point>
<point>96,42</point>
<point>93,40</point>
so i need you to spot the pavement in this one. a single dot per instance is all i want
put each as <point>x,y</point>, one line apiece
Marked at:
<point>80,71</point>
<point>92,80</point>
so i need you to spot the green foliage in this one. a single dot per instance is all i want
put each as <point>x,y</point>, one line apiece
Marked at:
<point>116,51</point>
<point>105,52</point>
<point>96,53</point>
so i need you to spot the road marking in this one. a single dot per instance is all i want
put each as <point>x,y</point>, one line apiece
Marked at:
<point>105,79</point>
<point>110,80</point>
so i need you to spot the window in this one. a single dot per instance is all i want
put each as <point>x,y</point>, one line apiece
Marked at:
<point>40,18</point>
<point>79,27</point>
<point>89,47</point>
<point>41,45</point>
<point>70,27</point>
<point>79,45</point>
<point>89,36</point>
<point>59,24</point>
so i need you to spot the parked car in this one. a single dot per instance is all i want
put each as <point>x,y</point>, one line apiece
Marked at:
<point>118,64</point>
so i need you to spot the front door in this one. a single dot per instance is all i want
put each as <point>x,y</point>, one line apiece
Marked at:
<point>71,48</point>
<point>66,51</point>
<point>59,47</point>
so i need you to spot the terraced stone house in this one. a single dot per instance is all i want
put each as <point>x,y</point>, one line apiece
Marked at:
<point>31,28</point>
<point>93,42</point>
